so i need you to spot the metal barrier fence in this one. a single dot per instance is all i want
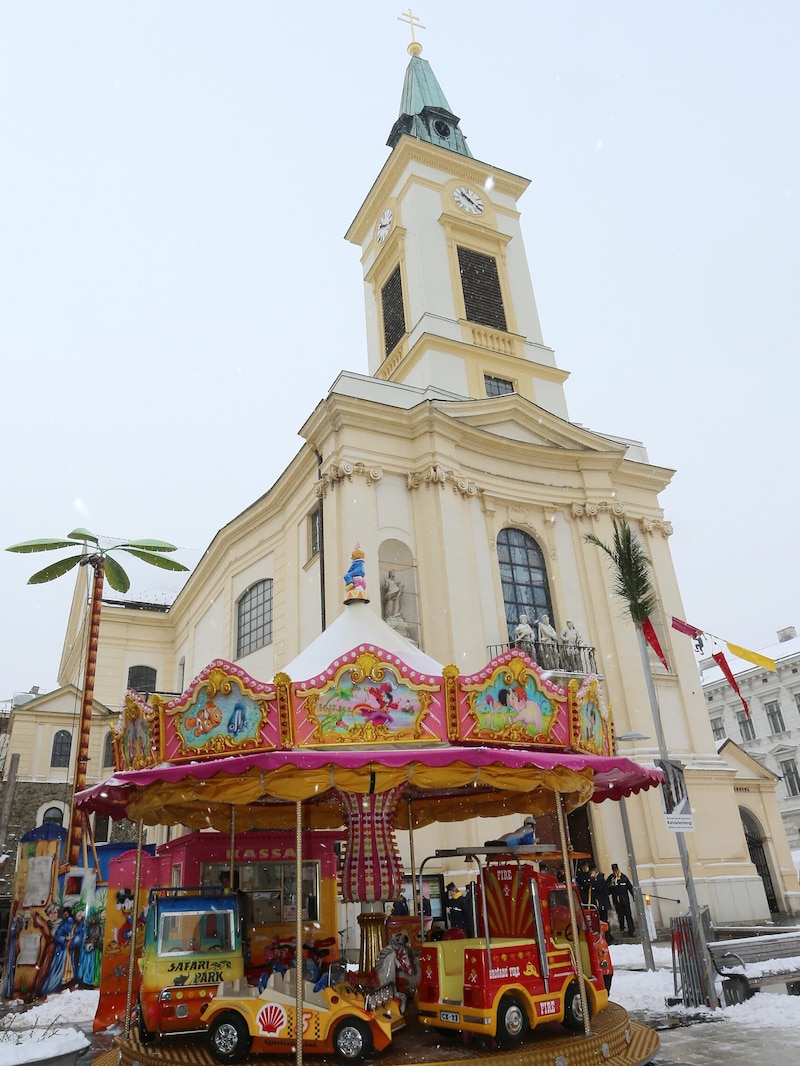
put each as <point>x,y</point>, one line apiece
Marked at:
<point>687,959</point>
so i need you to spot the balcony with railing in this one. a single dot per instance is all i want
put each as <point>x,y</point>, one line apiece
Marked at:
<point>562,660</point>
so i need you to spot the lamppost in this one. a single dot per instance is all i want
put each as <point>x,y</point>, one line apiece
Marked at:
<point>641,913</point>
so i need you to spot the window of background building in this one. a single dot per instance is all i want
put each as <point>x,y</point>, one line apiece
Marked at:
<point>254,618</point>
<point>797,700</point>
<point>746,727</point>
<point>108,750</point>
<point>523,577</point>
<point>142,679</point>
<point>790,776</point>
<point>774,717</point>
<point>101,829</point>
<point>497,386</point>
<point>53,816</point>
<point>62,745</point>
<point>718,728</point>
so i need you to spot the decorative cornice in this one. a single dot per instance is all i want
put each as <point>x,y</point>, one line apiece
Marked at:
<point>594,510</point>
<point>345,471</point>
<point>648,526</point>
<point>437,475</point>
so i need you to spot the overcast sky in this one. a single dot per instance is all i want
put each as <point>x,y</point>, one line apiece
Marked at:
<point>176,294</point>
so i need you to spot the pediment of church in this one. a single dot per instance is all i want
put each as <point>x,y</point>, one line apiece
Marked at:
<point>514,418</point>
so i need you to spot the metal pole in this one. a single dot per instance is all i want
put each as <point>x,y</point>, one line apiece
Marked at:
<point>411,853</point>
<point>231,867</point>
<point>298,929</point>
<point>694,909</point>
<point>577,955</point>
<point>644,934</point>
<point>137,876</point>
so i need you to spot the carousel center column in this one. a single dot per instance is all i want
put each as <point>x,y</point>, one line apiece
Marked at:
<point>372,873</point>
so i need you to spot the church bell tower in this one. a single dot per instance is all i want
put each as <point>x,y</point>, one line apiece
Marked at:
<point>447,288</point>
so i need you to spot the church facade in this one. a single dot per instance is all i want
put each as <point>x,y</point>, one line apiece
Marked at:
<point>454,465</point>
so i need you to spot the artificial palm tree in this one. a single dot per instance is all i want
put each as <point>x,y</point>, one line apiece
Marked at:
<point>105,567</point>
<point>632,583</point>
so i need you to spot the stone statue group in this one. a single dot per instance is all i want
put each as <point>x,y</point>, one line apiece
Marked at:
<point>543,643</point>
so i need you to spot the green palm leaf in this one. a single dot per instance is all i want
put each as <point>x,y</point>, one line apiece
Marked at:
<point>149,545</point>
<point>83,534</point>
<point>154,560</point>
<point>116,576</point>
<point>45,545</point>
<point>631,571</point>
<point>54,570</point>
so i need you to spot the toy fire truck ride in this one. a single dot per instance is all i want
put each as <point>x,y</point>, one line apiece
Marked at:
<point>522,971</point>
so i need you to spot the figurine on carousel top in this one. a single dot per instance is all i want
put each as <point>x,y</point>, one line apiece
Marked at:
<point>355,582</point>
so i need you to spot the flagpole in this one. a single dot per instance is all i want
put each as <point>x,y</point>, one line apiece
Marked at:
<point>694,909</point>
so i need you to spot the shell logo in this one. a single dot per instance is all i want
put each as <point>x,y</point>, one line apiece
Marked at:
<point>271,1019</point>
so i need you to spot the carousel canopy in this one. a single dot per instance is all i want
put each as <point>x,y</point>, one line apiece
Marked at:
<point>371,714</point>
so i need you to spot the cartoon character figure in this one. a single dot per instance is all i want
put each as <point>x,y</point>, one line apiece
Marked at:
<point>238,719</point>
<point>206,719</point>
<point>355,577</point>
<point>125,904</point>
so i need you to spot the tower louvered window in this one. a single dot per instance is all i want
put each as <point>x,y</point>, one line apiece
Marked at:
<point>480,283</point>
<point>394,316</point>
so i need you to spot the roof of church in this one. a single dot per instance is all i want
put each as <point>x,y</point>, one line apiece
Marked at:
<point>424,111</point>
<point>421,89</point>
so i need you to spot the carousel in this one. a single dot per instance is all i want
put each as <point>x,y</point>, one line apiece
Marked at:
<point>360,737</point>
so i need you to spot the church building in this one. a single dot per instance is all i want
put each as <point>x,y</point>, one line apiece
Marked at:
<point>451,460</point>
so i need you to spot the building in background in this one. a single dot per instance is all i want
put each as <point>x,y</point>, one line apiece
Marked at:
<point>768,729</point>
<point>454,464</point>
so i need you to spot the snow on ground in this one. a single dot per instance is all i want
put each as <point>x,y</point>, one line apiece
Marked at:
<point>644,993</point>
<point>47,1028</point>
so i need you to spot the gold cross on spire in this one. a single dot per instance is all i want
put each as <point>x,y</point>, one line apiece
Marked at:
<point>415,47</point>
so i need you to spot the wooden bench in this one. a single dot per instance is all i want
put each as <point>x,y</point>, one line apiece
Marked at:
<point>747,963</point>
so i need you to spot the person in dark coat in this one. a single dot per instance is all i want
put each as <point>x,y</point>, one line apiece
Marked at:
<point>599,897</point>
<point>400,907</point>
<point>582,881</point>
<point>457,907</point>
<point>621,891</point>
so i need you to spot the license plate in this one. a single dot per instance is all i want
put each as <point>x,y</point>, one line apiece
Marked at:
<point>449,1016</point>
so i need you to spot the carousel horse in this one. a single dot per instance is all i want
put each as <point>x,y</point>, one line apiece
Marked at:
<point>397,960</point>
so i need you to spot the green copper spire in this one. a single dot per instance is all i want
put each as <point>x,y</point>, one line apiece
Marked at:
<point>424,110</point>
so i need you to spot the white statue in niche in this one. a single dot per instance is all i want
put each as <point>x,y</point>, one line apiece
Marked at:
<point>392,598</point>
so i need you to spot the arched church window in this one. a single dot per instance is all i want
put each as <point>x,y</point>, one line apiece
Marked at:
<point>53,816</point>
<point>62,745</point>
<point>142,679</point>
<point>254,618</point>
<point>524,578</point>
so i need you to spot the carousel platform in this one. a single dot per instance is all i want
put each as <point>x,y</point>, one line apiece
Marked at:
<point>615,1040</point>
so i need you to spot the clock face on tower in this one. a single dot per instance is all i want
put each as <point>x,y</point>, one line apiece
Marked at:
<point>384,225</point>
<point>468,200</point>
